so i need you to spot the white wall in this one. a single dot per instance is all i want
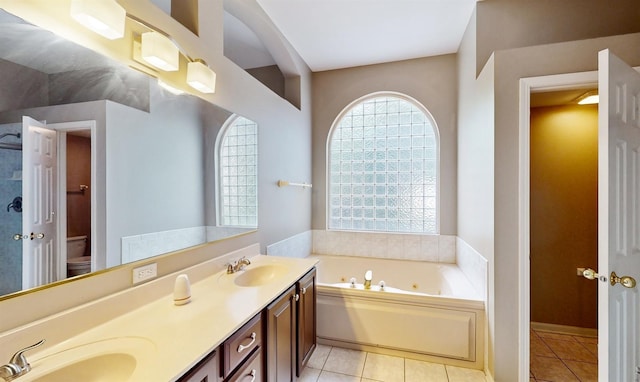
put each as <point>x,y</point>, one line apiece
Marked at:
<point>476,200</point>
<point>155,170</point>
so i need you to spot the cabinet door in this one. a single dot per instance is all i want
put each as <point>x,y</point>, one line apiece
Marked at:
<point>281,337</point>
<point>306,319</point>
<point>205,371</point>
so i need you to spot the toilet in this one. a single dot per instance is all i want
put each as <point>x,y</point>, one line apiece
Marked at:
<point>77,262</point>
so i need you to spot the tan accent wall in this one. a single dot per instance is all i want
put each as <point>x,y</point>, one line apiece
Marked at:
<point>564,213</point>
<point>431,81</point>
<point>507,24</point>
<point>78,172</point>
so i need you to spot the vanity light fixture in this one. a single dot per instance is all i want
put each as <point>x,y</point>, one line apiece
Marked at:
<point>588,98</point>
<point>159,51</point>
<point>170,88</point>
<point>201,77</point>
<point>105,17</point>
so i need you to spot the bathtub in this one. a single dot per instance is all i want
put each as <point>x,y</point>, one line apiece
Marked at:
<point>427,311</point>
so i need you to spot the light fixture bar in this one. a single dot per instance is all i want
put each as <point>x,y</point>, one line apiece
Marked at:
<point>589,98</point>
<point>105,17</point>
<point>159,51</point>
<point>200,77</point>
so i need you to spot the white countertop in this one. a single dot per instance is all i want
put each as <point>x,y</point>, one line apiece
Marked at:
<point>171,339</point>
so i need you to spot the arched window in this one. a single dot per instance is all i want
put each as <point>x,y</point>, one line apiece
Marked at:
<point>383,167</point>
<point>237,156</point>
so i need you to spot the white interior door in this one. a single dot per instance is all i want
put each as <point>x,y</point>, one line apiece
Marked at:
<point>618,219</point>
<point>39,180</point>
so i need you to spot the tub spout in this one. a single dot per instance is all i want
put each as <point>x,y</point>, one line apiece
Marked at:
<point>367,279</point>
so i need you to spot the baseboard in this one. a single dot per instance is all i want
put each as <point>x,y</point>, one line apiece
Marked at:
<point>564,329</point>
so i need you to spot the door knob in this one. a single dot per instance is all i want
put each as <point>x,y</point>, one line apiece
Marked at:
<point>32,236</point>
<point>625,281</point>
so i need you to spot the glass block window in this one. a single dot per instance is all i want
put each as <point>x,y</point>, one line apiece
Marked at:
<point>238,173</point>
<point>383,167</point>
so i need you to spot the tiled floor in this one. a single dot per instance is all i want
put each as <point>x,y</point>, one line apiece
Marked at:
<point>561,357</point>
<point>329,364</point>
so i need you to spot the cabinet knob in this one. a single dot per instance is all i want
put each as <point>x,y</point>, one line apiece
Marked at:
<point>297,297</point>
<point>304,290</point>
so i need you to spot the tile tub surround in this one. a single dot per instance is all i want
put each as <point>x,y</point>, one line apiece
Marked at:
<point>299,246</point>
<point>432,248</point>
<point>187,327</point>
<point>145,246</point>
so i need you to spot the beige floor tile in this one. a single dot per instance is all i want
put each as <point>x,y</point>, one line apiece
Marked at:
<point>345,361</point>
<point>555,336</point>
<point>420,371</point>
<point>327,376</point>
<point>570,350</point>
<point>369,380</point>
<point>459,374</point>
<point>319,357</point>
<point>586,372</point>
<point>593,349</point>
<point>586,340</point>
<point>384,368</point>
<point>550,369</point>
<point>309,375</point>
<point>539,347</point>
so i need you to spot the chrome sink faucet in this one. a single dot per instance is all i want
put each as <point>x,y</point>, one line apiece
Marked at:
<point>18,364</point>
<point>238,265</point>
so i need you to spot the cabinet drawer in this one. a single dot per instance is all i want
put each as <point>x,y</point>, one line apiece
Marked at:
<point>241,344</point>
<point>251,371</point>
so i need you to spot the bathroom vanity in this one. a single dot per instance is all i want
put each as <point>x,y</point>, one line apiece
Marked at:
<point>228,332</point>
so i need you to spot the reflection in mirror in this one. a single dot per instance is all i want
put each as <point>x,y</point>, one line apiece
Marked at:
<point>135,174</point>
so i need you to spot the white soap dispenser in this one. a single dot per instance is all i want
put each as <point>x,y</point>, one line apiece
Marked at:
<point>182,290</point>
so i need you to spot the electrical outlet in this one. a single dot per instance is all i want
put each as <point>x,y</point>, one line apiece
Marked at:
<point>145,272</point>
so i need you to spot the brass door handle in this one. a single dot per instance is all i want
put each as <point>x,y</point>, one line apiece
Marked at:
<point>593,275</point>
<point>625,281</point>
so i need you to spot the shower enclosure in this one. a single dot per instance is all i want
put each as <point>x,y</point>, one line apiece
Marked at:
<point>10,207</point>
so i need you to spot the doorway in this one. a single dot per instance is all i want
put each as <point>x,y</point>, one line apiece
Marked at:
<point>76,197</point>
<point>563,236</point>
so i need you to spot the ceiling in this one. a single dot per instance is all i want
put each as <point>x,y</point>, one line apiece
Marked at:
<point>333,34</point>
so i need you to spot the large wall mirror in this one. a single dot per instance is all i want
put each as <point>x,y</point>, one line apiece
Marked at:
<point>138,171</point>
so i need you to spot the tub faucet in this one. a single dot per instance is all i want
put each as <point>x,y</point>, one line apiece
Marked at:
<point>18,364</point>
<point>238,265</point>
<point>368,275</point>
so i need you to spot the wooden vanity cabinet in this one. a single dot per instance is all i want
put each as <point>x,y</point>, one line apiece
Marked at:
<point>281,337</point>
<point>291,330</point>
<point>205,371</point>
<point>306,321</point>
<point>251,370</point>
<point>242,352</point>
<point>273,346</point>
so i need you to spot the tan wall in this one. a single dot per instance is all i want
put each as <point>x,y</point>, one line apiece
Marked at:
<point>78,172</point>
<point>564,214</point>
<point>431,81</point>
<point>507,24</point>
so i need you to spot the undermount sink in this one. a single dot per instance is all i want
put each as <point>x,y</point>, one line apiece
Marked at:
<point>257,275</point>
<point>114,359</point>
